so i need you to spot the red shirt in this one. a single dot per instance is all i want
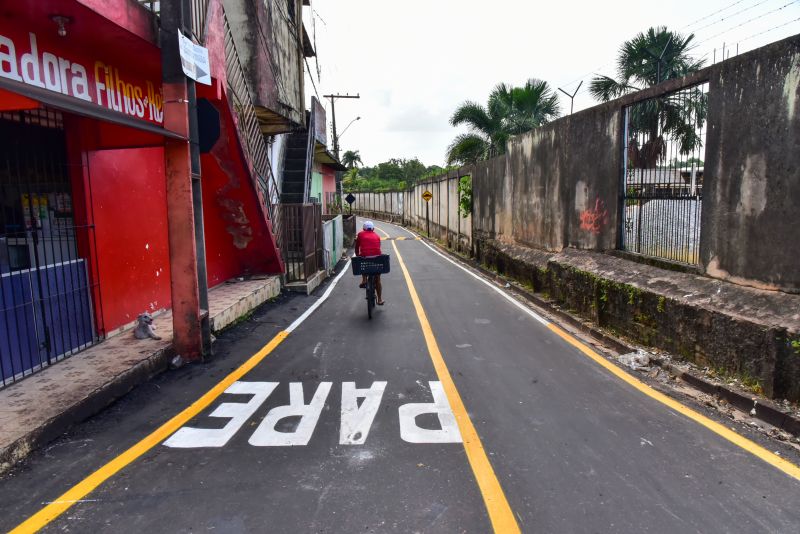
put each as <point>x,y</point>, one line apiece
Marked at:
<point>368,243</point>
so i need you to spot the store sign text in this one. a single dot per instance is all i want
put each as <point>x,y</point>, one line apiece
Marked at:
<point>102,84</point>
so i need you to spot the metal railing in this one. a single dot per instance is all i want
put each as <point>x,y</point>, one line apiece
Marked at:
<point>250,135</point>
<point>309,155</point>
<point>247,125</point>
<point>199,13</point>
<point>663,175</point>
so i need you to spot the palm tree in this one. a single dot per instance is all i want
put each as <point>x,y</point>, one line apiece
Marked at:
<point>509,111</point>
<point>351,158</point>
<point>646,60</point>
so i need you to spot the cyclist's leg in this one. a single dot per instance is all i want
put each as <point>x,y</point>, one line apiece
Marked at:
<point>379,289</point>
<point>363,283</point>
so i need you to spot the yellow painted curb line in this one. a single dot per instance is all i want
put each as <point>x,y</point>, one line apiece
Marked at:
<point>500,514</point>
<point>50,512</point>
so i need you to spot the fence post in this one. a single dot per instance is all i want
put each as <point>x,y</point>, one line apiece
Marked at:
<point>447,210</point>
<point>458,212</point>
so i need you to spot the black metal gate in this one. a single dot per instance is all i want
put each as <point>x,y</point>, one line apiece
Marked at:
<point>45,294</point>
<point>663,175</point>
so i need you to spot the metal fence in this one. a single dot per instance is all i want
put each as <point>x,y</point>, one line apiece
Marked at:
<point>46,298</point>
<point>663,175</point>
<point>302,240</point>
<point>249,130</point>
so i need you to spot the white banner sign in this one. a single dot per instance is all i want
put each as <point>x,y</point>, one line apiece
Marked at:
<point>194,60</point>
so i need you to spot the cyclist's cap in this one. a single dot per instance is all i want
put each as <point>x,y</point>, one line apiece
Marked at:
<point>369,225</point>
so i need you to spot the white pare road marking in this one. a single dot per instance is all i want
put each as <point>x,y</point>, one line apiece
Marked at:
<point>357,420</point>
<point>355,423</point>
<point>238,412</point>
<point>412,433</point>
<point>266,435</point>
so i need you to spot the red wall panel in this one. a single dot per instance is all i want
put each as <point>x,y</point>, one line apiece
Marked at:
<point>238,240</point>
<point>130,214</point>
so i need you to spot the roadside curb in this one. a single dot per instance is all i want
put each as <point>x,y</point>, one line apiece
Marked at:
<point>764,409</point>
<point>92,403</point>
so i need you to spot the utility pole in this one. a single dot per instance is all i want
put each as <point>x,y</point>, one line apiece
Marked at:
<point>336,137</point>
<point>189,289</point>
<point>333,114</point>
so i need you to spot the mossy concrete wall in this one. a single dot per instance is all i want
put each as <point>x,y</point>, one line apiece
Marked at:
<point>732,330</point>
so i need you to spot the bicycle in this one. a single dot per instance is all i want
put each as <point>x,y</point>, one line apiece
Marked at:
<point>370,266</point>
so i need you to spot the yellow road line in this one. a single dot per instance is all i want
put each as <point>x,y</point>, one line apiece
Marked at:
<point>723,431</point>
<point>500,514</point>
<point>90,483</point>
<point>726,433</point>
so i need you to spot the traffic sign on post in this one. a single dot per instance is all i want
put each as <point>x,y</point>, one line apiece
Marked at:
<point>350,198</point>
<point>427,196</point>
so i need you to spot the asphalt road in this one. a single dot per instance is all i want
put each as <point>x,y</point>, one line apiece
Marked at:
<point>561,444</point>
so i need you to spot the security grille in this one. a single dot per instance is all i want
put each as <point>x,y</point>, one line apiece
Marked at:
<point>663,175</point>
<point>45,295</point>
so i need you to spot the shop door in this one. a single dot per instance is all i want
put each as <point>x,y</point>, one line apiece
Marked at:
<point>45,299</point>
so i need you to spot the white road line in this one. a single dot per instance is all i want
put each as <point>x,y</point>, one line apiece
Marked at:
<point>499,291</point>
<point>297,322</point>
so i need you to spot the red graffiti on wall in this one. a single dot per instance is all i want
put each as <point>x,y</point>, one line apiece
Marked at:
<point>593,220</point>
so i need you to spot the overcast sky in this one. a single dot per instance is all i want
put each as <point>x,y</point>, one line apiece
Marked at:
<point>414,61</point>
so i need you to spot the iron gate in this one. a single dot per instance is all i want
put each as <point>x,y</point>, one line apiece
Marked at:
<point>303,253</point>
<point>663,175</point>
<point>45,295</point>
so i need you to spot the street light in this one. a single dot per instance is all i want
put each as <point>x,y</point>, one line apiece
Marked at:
<point>339,137</point>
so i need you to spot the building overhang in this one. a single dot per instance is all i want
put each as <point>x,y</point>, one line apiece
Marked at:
<point>85,109</point>
<point>322,155</point>
<point>273,123</point>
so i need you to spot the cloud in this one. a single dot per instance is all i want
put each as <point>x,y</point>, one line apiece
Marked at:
<point>417,119</point>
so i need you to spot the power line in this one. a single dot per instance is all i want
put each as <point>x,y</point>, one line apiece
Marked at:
<point>769,30</point>
<point>746,22</point>
<point>311,77</point>
<point>726,17</point>
<point>712,14</point>
<point>596,69</point>
<point>314,11</point>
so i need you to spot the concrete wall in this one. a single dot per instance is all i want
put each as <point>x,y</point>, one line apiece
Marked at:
<point>270,48</point>
<point>751,205</point>
<point>439,217</point>
<point>559,186</point>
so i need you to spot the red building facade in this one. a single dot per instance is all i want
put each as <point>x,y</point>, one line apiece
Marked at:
<point>87,235</point>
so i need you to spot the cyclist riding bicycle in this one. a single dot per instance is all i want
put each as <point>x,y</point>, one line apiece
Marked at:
<point>368,243</point>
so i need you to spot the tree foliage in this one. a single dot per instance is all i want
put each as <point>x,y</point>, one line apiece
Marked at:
<point>509,111</point>
<point>649,58</point>
<point>465,196</point>
<point>351,158</point>
<point>392,175</point>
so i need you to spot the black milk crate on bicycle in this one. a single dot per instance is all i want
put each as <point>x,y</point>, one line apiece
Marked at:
<point>371,264</point>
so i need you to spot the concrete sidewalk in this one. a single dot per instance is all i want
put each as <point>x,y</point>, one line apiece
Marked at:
<point>39,408</point>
